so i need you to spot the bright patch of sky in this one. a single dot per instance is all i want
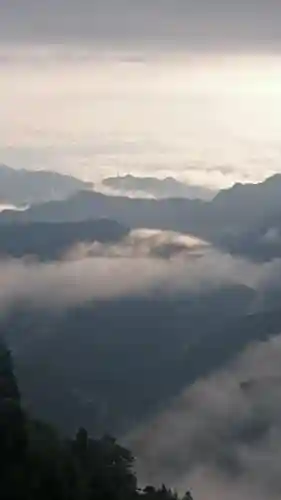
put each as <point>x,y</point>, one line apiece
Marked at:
<point>208,120</point>
<point>184,88</point>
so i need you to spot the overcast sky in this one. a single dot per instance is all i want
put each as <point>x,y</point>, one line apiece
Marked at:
<point>241,24</point>
<point>190,88</point>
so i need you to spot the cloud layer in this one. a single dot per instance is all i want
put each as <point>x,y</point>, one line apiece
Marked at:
<point>143,262</point>
<point>204,23</point>
<point>93,113</point>
<point>221,437</point>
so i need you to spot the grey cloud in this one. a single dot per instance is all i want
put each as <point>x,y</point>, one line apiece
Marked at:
<point>251,23</point>
<point>145,243</point>
<point>272,236</point>
<point>143,262</point>
<point>223,435</point>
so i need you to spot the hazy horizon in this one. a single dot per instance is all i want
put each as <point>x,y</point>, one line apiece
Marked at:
<point>156,321</point>
<point>189,89</point>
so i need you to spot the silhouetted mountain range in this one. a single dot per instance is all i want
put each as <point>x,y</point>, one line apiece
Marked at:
<point>25,187</point>
<point>50,241</point>
<point>109,364</point>
<point>158,188</point>
<point>229,216</point>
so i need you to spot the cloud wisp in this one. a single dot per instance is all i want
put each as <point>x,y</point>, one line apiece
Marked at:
<point>143,262</point>
<point>222,436</point>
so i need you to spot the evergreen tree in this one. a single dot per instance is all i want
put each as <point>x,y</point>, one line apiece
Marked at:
<point>36,464</point>
<point>13,433</point>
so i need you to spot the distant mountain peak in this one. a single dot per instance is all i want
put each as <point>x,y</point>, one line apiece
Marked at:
<point>20,187</point>
<point>168,187</point>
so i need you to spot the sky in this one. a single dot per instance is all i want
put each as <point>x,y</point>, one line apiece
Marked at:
<point>184,88</point>
<point>244,24</point>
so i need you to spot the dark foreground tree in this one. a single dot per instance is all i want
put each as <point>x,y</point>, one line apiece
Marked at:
<point>13,435</point>
<point>37,464</point>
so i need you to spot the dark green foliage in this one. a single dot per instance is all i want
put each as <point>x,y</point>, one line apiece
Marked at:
<point>37,464</point>
<point>151,493</point>
<point>12,421</point>
<point>105,467</point>
<point>13,437</point>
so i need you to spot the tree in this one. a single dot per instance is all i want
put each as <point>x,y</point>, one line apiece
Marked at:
<point>188,496</point>
<point>152,493</point>
<point>36,463</point>
<point>13,434</point>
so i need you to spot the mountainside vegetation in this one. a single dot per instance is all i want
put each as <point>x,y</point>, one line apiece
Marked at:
<point>37,463</point>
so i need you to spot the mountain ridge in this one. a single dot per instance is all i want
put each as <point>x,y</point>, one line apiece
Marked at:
<point>168,187</point>
<point>21,187</point>
<point>230,213</point>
